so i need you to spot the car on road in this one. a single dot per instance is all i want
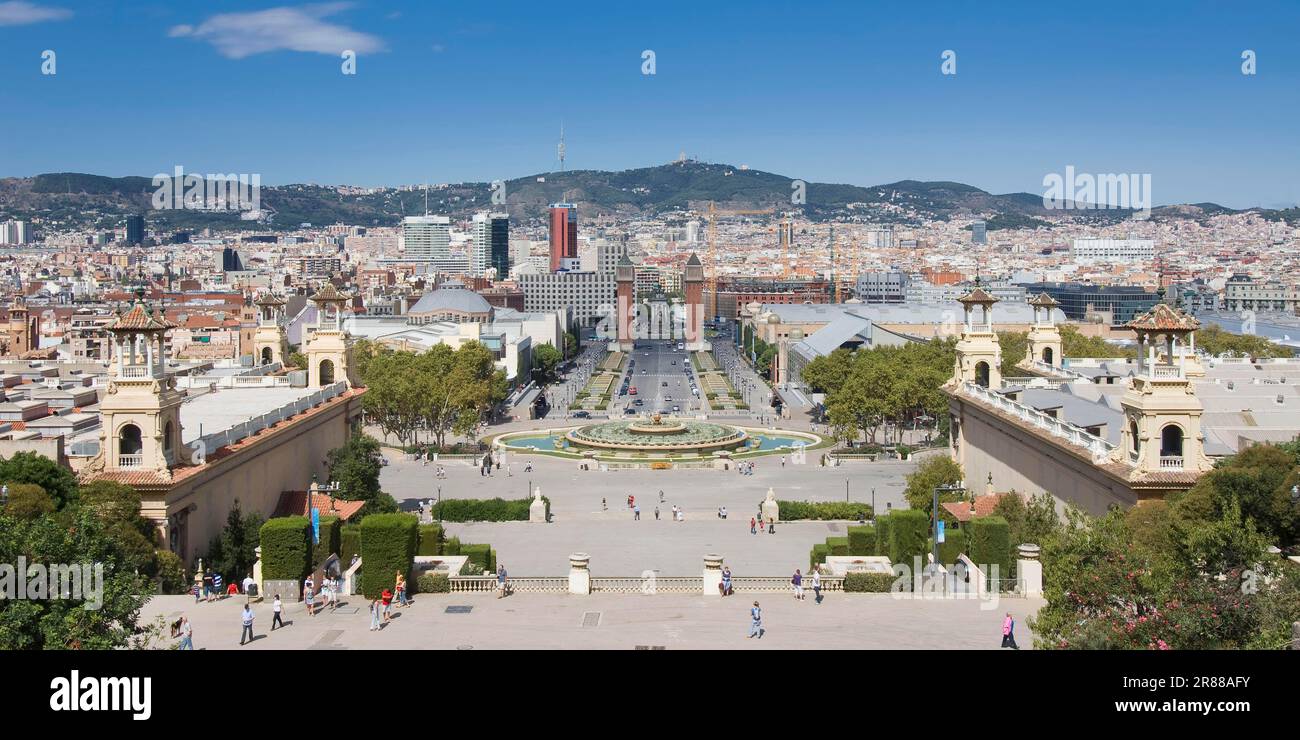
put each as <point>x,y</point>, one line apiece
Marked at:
<point>581,415</point>
<point>677,408</point>
<point>638,402</point>
<point>665,385</point>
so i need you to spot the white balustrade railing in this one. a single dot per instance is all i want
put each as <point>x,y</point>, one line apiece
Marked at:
<point>130,461</point>
<point>1169,462</point>
<point>256,424</point>
<point>644,585</point>
<point>1096,446</point>
<point>1166,371</point>
<point>135,371</point>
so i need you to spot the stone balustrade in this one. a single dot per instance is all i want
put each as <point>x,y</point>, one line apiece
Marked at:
<point>1097,447</point>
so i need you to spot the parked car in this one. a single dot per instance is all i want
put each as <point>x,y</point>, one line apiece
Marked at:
<point>677,408</point>
<point>581,415</point>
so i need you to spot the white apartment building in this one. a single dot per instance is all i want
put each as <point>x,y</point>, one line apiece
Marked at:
<point>426,238</point>
<point>15,232</point>
<point>1246,293</point>
<point>585,296</point>
<point>1112,250</point>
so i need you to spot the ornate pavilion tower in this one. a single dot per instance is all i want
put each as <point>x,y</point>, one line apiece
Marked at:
<point>270,343</point>
<point>1162,415</point>
<point>979,356</point>
<point>1044,336</point>
<point>328,349</point>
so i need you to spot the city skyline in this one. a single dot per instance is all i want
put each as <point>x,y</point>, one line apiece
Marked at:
<point>840,95</point>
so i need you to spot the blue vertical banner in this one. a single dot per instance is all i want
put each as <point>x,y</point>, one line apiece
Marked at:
<point>315,526</point>
<point>940,539</point>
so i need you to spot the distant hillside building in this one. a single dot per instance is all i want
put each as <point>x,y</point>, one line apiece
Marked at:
<point>564,236</point>
<point>135,229</point>
<point>491,246</point>
<point>1113,250</point>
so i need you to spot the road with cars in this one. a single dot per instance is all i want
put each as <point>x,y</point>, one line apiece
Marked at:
<point>658,370</point>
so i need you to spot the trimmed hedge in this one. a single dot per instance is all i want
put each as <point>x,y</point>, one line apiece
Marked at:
<point>486,510</point>
<point>387,548</point>
<point>850,510</point>
<point>349,543</point>
<point>862,540</point>
<point>451,546</point>
<point>882,535</point>
<point>329,541</point>
<point>286,548</point>
<point>907,536</point>
<point>953,545</point>
<point>869,583</point>
<point>433,583</point>
<point>838,545</point>
<point>818,555</point>
<point>431,536</point>
<point>483,555</point>
<point>990,542</point>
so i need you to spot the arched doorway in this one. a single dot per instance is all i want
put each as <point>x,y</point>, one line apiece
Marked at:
<point>129,446</point>
<point>326,372</point>
<point>1171,441</point>
<point>1133,435</point>
<point>982,374</point>
<point>266,355</point>
<point>1047,355</point>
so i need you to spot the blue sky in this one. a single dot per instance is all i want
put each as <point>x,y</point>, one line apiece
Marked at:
<point>839,92</point>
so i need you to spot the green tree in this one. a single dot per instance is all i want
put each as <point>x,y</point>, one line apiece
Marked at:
<point>118,507</point>
<point>935,471</point>
<point>355,467</point>
<point>74,536</point>
<point>545,361</point>
<point>1014,345</point>
<point>232,552</point>
<point>1257,480</point>
<point>27,501</point>
<point>38,470</point>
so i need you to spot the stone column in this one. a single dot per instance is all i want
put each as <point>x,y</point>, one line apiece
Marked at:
<point>257,571</point>
<point>712,575</point>
<point>771,509</point>
<point>580,573</point>
<point>1029,571</point>
<point>537,509</point>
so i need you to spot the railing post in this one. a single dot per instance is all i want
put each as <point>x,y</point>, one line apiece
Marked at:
<point>580,574</point>
<point>712,575</point>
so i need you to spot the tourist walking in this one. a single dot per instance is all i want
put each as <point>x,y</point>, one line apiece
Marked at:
<point>276,609</point>
<point>400,587</point>
<point>656,513</point>
<point>636,513</point>
<point>1009,633</point>
<point>309,597</point>
<point>771,525</point>
<point>501,580</point>
<point>387,597</point>
<point>725,586</point>
<point>374,615</point>
<point>753,526</point>
<point>247,634</point>
<point>756,622</point>
<point>797,582</point>
<point>187,635</point>
<point>817,584</point>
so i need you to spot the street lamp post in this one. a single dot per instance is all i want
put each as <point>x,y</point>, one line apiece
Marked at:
<point>947,487</point>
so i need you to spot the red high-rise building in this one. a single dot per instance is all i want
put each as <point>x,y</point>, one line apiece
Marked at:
<point>564,234</point>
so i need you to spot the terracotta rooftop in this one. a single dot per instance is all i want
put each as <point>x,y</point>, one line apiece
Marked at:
<point>1163,317</point>
<point>328,293</point>
<point>984,506</point>
<point>270,299</point>
<point>1043,300</point>
<point>140,318</point>
<point>978,296</point>
<point>295,503</point>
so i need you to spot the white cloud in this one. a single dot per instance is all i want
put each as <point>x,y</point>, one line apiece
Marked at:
<point>21,13</point>
<point>302,28</point>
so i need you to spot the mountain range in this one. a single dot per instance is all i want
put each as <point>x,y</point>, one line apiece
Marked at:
<point>76,200</point>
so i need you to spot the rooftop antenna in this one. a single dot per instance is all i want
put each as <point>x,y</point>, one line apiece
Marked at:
<point>560,148</point>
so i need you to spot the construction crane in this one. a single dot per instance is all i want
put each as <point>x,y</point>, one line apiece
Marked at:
<point>712,236</point>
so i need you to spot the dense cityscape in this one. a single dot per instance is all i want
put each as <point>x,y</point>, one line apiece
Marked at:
<point>532,406</point>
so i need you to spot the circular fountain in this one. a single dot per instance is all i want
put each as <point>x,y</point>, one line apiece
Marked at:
<point>657,435</point>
